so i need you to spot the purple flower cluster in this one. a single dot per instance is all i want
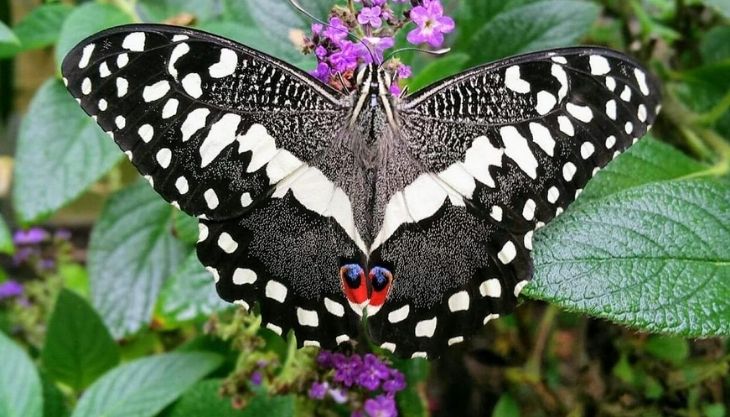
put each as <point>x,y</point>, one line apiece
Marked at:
<point>361,34</point>
<point>32,246</point>
<point>11,288</point>
<point>357,378</point>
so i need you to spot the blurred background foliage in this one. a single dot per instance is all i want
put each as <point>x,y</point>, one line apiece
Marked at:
<point>105,310</point>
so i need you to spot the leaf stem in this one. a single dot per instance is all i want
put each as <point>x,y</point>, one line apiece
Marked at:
<point>719,110</point>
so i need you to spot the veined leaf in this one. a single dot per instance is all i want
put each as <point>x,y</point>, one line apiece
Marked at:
<point>132,251</point>
<point>20,387</point>
<point>142,388</point>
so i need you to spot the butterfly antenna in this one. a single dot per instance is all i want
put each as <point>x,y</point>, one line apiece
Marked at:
<point>305,12</point>
<point>439,52</point>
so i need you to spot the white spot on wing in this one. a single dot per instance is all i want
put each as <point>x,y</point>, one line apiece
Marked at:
<point>496,213</point>
<point>134,42</point>
<point>586,150</point>
<point>86,86</point>
<point>528,211</point>
<point>459,301</point>
<point>553,194</point>
<point>513,81</point>
<point>545,102</point>
<point>566,126</point>
<point>276,291</point>
<point>211,198</point>
<point>490,288</point>
<point>243,276</point>
<point>599,65</point>
<point>542,137</point>
<point>202,232</point>
<point>122,87</point>
<point>569,170</point>
<point>334,307</point>
<point>307,317</point>
<point>221,134</point>
<point>490,317</point>
<point>176,54</point>
<point>246,199</point>
<point>86,55</point>
<point>611,109</point>
<point>164,156</point>
<point>226,65</point>
<point>641,79</point>
<point>507,253</point>
<point>194,121</point>
<point>388,346</point>
<point>120,121</point>
<point>274,328</point>
<point>399,315</point>
<point>170,108</point>
<point>122,60</point>
<point>155,91</point>
<point>479,157</point>
<point>146,132</point>
<point>226,242</point>
<point>610,141</point>
<point>582,113</point>
<point>426,328</point>
<point>455,340</point>
<point>182,185</point>
<point>192,85</point>
<point>559,73</point>
<point>262,147</point>
<point>517,149</point>
<point>518,288</point>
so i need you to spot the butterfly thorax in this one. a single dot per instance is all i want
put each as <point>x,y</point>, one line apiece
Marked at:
<point>373,120</point>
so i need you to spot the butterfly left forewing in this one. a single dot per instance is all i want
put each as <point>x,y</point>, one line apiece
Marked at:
<point>503,149</point>
<point>240,140</point>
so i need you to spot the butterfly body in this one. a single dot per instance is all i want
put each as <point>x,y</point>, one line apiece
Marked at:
<point>325,207</point>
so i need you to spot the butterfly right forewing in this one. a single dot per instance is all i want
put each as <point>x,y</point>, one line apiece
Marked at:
<point>504,148</point>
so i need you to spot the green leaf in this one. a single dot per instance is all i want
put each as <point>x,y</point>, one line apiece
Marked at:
<point>85,21</point>
<point>530,27</point>
<point>6,241</point>
<point>160,10</point>
<point>20,387</point>
<point>144,387</point>
<point>186,228</point>
<point>411,400</point>
<point>190,293</point>
<point>78,348</point>
<point>132,251</point>
<point>506,407</point>
<point>203,400</point>
<point>715,46</point>
<point>669,348</point>
<point>7,35</point>
<point>647,161</point>
<point>438,69</point>
<point>254,37</point>
<point>653,257</point>
<point>39,28</point>
<point>61,152</point>
<point>54,403</point>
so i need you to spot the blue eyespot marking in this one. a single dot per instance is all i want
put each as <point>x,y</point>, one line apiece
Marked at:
<point>352,274</point>
<point>380,278</point>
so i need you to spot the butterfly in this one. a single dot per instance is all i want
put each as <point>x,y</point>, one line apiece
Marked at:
<point>415,213</point>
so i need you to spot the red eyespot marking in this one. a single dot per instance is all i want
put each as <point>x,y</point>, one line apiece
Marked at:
<point>380,282</point>
<point>354,285</point>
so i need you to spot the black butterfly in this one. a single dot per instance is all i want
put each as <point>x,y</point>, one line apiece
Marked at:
<point>417,212</point>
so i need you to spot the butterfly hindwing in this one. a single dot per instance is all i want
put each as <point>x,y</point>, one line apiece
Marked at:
<point>504,148</point>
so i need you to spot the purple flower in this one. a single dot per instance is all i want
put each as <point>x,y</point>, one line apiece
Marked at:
<point>395,89</point>
<point>325,359</point>
<point>23,254</point>
<point>432,24</point>
<point>346,58</point>
<point>375,48</point>
<point>404,71</point>
<point>373,371</point>
<point>347,369</point>
<point>322,72</point>
<point>370,16</point>
<point>318,390</point>
<point>336,31</point>
<point>396,382</point>
<point>339,395</point>
<point>31,236</point>
<point>10,289</point>
<point>320,52</point>
<point>381,406</point>
<point>63,234</point>
<point>317,28</point>
<point>257,378</point>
